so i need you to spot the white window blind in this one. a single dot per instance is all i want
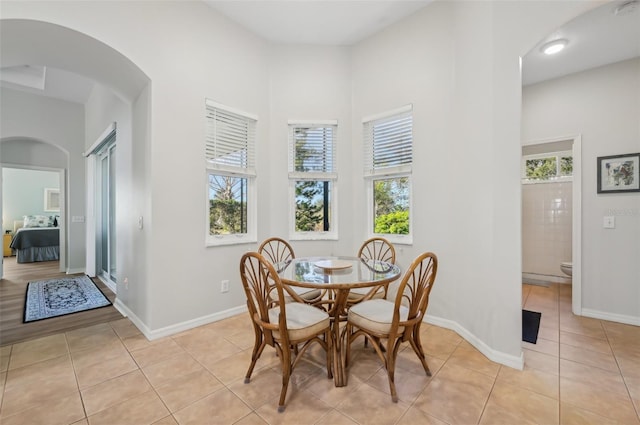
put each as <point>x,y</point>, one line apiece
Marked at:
<point>312,149</point>
<point>388,142</point>
<point>230,139</point>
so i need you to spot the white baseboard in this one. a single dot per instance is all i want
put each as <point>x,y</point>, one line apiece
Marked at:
<point>515,362</point>
<point>121,308</point>
<point>75,271</point>
<point>179,327</point>
<point>547,278</point>
<point>612,317</point>
<point>190,324</point>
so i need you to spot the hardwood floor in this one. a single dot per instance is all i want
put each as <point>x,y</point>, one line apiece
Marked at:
<point>13,288</point>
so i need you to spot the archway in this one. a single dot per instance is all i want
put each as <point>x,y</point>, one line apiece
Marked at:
<point>29,42</point>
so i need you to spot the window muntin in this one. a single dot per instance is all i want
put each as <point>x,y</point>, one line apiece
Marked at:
<point>230,163</point>
<point>388,159</point>
<point>547,167</point>
<point>312,179</point>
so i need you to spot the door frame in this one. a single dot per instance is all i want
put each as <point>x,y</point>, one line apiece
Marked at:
<point>92,204</point>
<point>576,216</point>
<point>62,223</point>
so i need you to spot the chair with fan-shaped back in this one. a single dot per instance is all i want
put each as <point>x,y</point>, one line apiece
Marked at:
<point>393,323</point>
<point>289,327</point>
<point>280,253</point>
<point>374,249</point>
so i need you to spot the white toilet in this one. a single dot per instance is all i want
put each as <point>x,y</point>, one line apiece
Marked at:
<point>567,268</point>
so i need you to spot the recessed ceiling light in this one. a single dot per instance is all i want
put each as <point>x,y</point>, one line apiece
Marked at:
<point>553,47</point>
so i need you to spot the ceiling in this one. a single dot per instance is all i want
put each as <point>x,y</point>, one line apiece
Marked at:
<point>604,35</point>
<point>607,34</point>
<point>49,82</point>
<point>317,22</point>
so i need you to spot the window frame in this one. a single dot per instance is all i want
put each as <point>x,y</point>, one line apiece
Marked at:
<point>296,176</point>
<point>557,178</point>
<point>247,172</point>
<point>373,174</point>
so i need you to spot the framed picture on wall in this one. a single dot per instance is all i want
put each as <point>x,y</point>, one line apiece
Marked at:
<point>619,173</point>
<point>52,200</point>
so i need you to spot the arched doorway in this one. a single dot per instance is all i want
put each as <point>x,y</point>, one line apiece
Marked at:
<point>117,81</point>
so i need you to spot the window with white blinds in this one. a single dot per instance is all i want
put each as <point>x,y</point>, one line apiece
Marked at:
<point>312,178</point>
<point>388,141</point>
<point>230,162</point>
<point>230,140</point>
<point>388,157</point>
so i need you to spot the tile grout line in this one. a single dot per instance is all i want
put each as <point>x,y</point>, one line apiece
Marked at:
<point>4,384</point>
<point>75,373</point>
<point>606,334</point>
<point>559,378</point>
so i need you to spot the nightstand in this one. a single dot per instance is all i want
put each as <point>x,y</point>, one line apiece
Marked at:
<point>6,241</point>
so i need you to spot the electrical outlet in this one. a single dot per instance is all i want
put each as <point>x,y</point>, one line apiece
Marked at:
<point>224,287</point>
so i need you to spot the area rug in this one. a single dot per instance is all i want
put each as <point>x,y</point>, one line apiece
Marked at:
<point>57,297</point>
<point>530,325</point>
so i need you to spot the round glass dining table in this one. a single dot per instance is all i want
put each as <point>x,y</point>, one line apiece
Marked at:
<point>337,275</point>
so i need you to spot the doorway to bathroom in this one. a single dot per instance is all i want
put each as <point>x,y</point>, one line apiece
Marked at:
<point>551,216</point>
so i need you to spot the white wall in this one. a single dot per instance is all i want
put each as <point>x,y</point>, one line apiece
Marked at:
<point>603,105</point>
<point>61,124</point>
<point>309,83</point>
<point>32,152</point>
<point>457,62</point>
<point>202,55</point>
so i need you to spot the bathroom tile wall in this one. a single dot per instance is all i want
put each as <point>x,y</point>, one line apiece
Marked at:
<point>546,227</point>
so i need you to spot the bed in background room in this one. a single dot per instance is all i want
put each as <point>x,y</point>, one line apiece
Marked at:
<point>37,240</point>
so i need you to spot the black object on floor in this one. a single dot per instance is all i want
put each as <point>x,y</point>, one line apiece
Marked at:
<point>530,325</point>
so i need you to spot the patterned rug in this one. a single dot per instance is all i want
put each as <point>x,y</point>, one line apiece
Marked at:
<point>57,297</point>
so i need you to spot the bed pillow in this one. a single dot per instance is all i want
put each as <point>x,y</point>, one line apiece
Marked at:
<point>37,221</point>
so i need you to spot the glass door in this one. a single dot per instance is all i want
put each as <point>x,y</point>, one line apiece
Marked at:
<point>106,232</point>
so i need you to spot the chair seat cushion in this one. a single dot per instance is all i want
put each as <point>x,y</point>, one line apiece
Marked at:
<point>357,293</point>
<point>306,293</point>
<point>303,320</point>
<point>375,315</point>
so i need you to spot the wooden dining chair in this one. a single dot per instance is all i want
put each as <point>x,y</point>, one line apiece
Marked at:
<point>378,249</point>
<point>290,327</point>
<point>279,252</point>
<point>381,320</point>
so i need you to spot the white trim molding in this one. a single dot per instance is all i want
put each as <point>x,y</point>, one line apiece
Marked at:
<point>153,334</point>
<point>612,317</point>
<point>493,355</point>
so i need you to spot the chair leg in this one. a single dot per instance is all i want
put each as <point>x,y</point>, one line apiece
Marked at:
<point>391,367</point>
<point>286,374</point>
<point>257,352</point>
<point>328,336</point>
<point>417,348</point>
<point>346,339</point>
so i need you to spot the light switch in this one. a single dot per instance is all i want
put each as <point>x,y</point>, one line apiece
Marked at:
<point>77,219</point>
<point>609,222</point>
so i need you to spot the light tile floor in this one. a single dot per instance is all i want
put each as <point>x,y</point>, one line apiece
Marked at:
<point>581,371</point>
